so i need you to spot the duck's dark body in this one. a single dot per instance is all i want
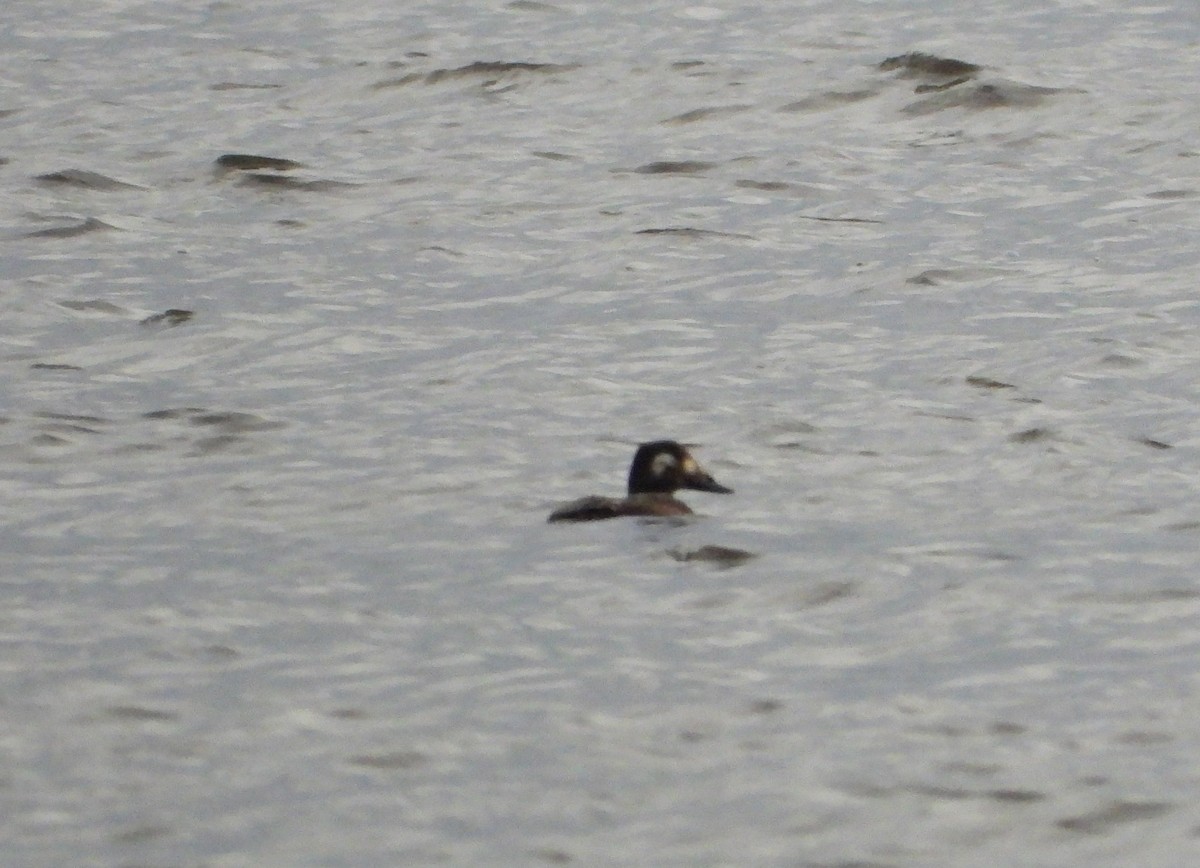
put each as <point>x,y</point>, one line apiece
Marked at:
<point>594,508</point>
<point>659,469</point>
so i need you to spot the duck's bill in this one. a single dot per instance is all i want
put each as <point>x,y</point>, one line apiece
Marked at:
<point>704,482</point>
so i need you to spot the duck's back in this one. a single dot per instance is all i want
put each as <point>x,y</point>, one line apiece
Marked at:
<point>595,508</point>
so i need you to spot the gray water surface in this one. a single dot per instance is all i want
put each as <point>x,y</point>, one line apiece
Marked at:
<point>280,438</point>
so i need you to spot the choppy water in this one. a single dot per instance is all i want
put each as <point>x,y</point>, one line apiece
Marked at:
<point>279,441</point>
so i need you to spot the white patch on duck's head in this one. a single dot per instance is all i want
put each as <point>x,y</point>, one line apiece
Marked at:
<point>663,463</point>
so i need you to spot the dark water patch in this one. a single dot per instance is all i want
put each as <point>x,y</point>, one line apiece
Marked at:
<point>488,70</point>
<point>49,440</point>
<point>786,435</point>
<point>722,556</point>
<point>94,305</point>
<point>217,444</point>
<point>1121,360</point>
<point>966,554</point>
<point>830,99</point>
<point>399,81</point>
<point>84,227</point>
<point>139,713</point>
<point>700,114</point>
<point>980,382</point>
<point>1006,727</point>
<point>1118,813</point>
<point>84,180</point>
<point>348,714</point>
<point>939,276</point>
<point>552,856</point>
<point>74,418</point>
<point>767,186</point>
<point>237,85</point>
<point>54,366</point>
<point>1152,443</point>
<point>825,593</point>
<point>224,431</point>
<point>949,730</point>
<point>935,791</point>
<point>63,430</point>
<point>285,182</point>
<point>1022,797</point>
<point>974,769</point>
<point>934,88</point>
<point>1171,195</point>
<point>532,6</point>
<point>981,97</point>
<point>713,601</point>
<point>178,413</point>
<point>1012,796</point>
<point>234,422</point>
<point>674,167</point>
<point>255,162</point>
<point>687,64</point>
<point>1143,738</point>
<point>950,417</point>
<point>817,219</point>
<point>939,139</point>
<point>403,64</point>
<point>1031,435</point>
<point>918,63</point>
<point>445,251</point>
<point>494,68</point>
<point>169,318</point>
<point>1136,598</point>
<point>140,834</point>
<point>766,706</point>
<point>400,760</point>
<point>552,155</point>
<point>692,232</point>
<point>797,444</point>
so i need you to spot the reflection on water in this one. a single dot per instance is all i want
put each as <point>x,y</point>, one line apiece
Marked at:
<point>312,318</point>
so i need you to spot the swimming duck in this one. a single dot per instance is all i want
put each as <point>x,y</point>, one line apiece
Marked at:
<point>659,469</point>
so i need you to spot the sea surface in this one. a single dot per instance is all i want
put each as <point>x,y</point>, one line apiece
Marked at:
<point>310,313</point>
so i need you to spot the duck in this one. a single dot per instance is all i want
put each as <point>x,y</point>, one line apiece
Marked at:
<point>659,469</point>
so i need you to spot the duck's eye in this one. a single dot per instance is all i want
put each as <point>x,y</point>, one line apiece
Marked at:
<point>662,463</point>
<point>689,465</point>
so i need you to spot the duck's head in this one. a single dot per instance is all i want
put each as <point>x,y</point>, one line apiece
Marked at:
<point>664,467</point>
